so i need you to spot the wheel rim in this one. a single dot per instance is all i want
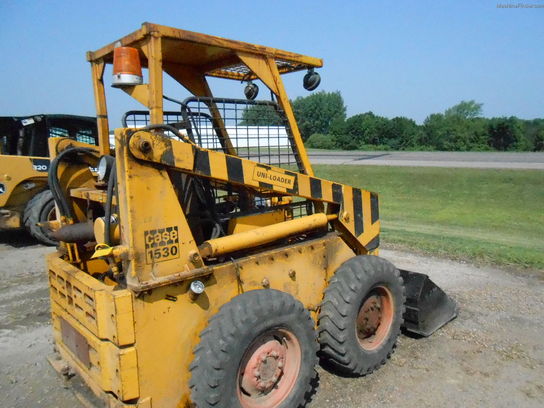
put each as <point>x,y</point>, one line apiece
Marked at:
<point>269,369</point>
<point>51,215</point>
<point>375,318</point>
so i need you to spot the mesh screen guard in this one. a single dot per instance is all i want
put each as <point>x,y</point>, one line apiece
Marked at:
<point>257,130</point>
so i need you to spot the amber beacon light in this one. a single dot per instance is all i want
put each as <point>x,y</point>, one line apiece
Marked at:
<point>127,70</point>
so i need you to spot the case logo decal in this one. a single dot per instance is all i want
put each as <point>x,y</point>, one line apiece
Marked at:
<point>161,244</point>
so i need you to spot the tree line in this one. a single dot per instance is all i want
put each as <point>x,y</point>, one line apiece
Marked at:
<point>321,118</point>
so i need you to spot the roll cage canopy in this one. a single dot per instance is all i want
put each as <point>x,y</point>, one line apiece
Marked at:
<point>190,58</point>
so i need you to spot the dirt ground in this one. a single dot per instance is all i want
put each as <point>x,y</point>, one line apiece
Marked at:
<point>492,355</point>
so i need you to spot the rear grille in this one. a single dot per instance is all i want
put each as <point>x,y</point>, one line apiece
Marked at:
<point>105,312</point>
<point>73,296</point>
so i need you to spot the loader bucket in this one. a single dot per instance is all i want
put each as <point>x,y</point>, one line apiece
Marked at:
<point>428,308</point>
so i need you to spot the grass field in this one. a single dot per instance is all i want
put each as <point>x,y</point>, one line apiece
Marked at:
<point>494,216</point>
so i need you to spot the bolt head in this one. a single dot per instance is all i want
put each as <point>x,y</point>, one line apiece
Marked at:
<point>145,146</point>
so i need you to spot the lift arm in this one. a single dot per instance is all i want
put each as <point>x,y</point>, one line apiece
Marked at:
<point>357,209</point>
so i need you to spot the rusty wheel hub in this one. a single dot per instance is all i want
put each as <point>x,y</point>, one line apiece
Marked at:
<point>375,318</point>
<point>264,369</point>
<point>269,370</point>
<point>370,316</point>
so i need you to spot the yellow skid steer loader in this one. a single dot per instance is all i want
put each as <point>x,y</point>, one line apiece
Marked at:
<point>205,265</point>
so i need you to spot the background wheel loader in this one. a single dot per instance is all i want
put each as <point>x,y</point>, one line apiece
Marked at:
<point>205,265</point>
<point>25,199</point>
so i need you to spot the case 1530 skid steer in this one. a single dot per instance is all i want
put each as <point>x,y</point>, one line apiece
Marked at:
<point>205,265</point>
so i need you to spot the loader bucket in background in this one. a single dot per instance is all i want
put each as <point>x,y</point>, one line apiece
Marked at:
<point>428,308</point>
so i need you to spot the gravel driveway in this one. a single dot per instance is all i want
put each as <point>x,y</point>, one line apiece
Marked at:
<point>492,355</point>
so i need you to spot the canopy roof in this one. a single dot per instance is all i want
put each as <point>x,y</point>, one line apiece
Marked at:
<point>213,56</point>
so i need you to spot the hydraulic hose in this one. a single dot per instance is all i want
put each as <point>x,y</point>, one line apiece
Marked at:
<point>53,179</point>
<point>112,183</point>
<point>169,128</point>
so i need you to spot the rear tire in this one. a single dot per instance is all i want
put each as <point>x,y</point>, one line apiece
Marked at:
<point>258,351</point>
<point>40,208</point>
<point>361,315</point>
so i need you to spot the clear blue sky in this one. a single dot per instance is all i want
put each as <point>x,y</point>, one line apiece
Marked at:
<point>395,58</point>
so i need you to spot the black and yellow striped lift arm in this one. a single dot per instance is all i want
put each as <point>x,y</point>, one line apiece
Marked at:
<point>358,215</point>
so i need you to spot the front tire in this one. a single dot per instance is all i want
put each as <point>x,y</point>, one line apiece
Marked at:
<point>41,208</point>
<point>361,315</point>
<point>258,351</point>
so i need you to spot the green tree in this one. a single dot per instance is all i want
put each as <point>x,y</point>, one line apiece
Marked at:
<point>506,134</point>
<point>260,115</point>
<point>401,133</point>
<point>436,131</point>
<point>365,129</point>
<point>533,131</point>
<point>338,126</point>
<point>465,109</point>
<point>315,113</point>
<point>345,142</point>
<point>538,142</point>
<point>320,141</point>
<point>454,132</point>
